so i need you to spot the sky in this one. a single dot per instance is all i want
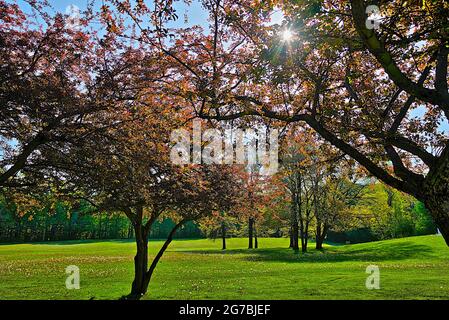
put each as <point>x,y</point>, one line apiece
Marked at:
<point>194,11</point>
<point>419,113</point>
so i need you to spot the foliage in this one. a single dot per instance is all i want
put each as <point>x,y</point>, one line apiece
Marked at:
<point>392,214</point>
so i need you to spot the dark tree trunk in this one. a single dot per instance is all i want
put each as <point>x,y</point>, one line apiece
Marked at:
<point>290,234</point>
<point>318,238</point>
<point>439,210</point>
<point>143,275</point>
<point>256,243</point>
<point>138,288</point>
<point>303,245</point>
<point>319,243</point>
<point>159,255</point>
<point>250,232</point>
<point>223,235</point>
<point>295,236</point>
<point>303,235</point>
<point>306,235</point>
<point>294,228</point>
<point>436,194</point>
<point>321,231</point>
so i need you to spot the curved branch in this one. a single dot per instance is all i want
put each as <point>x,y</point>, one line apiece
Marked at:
<point>404,109</point>
<point>164,247</point>
<point>412,147</point>
<point>400,170</point>
<point>21,159</point>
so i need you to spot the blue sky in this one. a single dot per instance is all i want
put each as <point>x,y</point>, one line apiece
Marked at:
<point>419,113</point>
<point>195,12</point>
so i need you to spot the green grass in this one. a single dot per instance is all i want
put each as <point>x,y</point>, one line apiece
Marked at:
<point>410,268</point>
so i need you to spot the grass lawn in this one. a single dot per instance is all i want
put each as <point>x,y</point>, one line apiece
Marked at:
<point>410,268</point>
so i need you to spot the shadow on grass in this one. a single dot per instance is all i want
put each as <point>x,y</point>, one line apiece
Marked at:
<point>374,252</point>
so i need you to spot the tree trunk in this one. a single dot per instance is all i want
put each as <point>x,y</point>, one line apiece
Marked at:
<point>142,275</point>
<point>439,210</point>
<point>306,236</point>
<point>318,237</point>
<point>256,243</point>
<point>223,235</point>
<point>436,194</point>
<point>138,288</point>
<point>153,265</point>
<point>303,236</point>
<point>319,243</point>
<point>304,244</point>
<point>290,234</point>
<point>250,232</point>
<point>295,236</point>
<point>321,235</point>
<point>294,228</point>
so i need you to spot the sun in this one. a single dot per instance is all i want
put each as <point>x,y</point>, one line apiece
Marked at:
<point>287,35</point>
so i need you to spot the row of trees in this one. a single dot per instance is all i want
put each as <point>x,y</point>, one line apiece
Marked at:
<point>61,222</point>
<point>379,213</point>
<point>318,191</point>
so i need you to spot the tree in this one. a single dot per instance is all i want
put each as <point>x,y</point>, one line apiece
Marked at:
<point>295,174</point>
<point>219,225</point>
<point>125,166</point>
<point>320,183</point>
<point>97,126</point>
<point>52,80</point>
<point>257,195</point>
<point>338,194</point>
<point>369,119</point>
<point>391,214</point>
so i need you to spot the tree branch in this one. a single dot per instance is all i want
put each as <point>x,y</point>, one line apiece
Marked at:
<point>404,109</point>
<point>441,69</point>
<point>164,247</point>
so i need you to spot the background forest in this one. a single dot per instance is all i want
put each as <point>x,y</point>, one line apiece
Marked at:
<point>382,213</point>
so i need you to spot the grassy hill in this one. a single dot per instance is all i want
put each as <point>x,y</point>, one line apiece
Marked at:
<point>410,268</point>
